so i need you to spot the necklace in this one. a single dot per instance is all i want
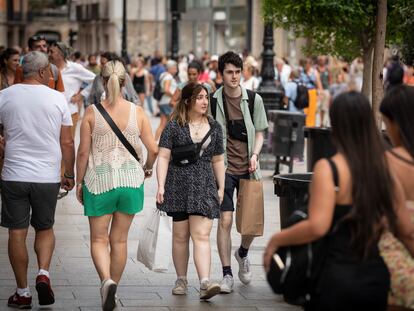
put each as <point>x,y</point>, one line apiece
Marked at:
<point>197,127</point>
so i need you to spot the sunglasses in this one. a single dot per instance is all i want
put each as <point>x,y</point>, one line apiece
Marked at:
<point>38,38</point>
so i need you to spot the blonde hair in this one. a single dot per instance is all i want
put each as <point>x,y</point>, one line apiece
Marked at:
<point>114,73</point>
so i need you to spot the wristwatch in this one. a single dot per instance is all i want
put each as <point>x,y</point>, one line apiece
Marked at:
<point>257,156</point>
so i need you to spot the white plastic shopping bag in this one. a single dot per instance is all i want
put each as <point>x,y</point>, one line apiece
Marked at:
<point>155,242</point>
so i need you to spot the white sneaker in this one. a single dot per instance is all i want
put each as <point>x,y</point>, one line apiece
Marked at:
<point>208,290</point>
<point>108,292</point>
<point>180,287</point>
<point>245,275</point>
<point>226,285</point>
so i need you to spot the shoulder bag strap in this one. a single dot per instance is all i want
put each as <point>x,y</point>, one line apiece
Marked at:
<point>213,105</point>
<point>117,131</point>
<point>334,173</point>
<point>252,98</point>
<point>200,144</point>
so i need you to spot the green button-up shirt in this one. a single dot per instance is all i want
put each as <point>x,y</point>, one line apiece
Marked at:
<point>259,122</point>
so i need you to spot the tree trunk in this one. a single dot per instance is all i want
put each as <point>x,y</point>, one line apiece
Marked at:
<point>378,61</point>
<point>367,74</point>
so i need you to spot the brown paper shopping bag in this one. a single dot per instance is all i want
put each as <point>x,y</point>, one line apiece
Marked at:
<point>250,208</point>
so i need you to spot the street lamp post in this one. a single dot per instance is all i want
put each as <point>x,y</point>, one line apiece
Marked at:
<point>124,51</point>
<point>272,96</point>
<point>175,17</point>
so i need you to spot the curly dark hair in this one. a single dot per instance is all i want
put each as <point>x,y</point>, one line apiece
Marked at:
<point>229,58</point>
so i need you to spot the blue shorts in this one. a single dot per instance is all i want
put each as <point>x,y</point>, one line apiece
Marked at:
<point>165,109</point>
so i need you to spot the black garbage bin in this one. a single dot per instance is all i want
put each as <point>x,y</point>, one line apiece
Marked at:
<point>319,145</point>
<point>292,189</point>
<point>287,137</point>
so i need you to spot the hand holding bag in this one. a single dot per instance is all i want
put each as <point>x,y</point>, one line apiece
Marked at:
<point>155,242</point>
<point>250,208</point>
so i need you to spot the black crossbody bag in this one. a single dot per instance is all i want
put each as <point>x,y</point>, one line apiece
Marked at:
<point>188,154</point>
<point>117,131</point>
<point>236,128</point>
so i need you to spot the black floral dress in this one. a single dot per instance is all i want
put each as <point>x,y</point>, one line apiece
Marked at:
<point>191,189</point>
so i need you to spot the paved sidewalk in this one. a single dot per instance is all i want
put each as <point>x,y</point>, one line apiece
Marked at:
<point>76,283</point>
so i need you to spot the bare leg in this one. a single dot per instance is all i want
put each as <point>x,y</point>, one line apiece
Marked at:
<point>180,247</point>
<point>118,238</point>
<point>100,245</point>
<point>200,228</point>
<point>161,127</point>
<point>246,241</point>
<point>44,246</point>
<point>19,259</point>
<point>142,99</point>
<point>224,237</point>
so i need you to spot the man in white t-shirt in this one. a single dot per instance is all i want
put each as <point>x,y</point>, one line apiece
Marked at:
<point>76,79</point>
<point>37,135</point>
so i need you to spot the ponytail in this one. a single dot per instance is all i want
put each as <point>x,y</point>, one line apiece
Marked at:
<point>114,72</point>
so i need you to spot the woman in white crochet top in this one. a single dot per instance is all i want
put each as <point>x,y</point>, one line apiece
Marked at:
<point>110,180</point>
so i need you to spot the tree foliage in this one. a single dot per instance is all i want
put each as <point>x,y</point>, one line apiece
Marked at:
<point>401,28</point>
<point>342,28</point>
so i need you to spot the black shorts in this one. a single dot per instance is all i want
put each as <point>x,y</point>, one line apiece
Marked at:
<point>232,182</point>
<point>18,197</point>
<point>181,216</point>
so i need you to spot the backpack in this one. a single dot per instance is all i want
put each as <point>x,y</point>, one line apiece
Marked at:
<point>250,94</point>
<point>302,96</point>
<point>158,91</point>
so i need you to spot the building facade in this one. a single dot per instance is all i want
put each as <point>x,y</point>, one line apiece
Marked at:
<point>206,25</point>
<point>20,19</point>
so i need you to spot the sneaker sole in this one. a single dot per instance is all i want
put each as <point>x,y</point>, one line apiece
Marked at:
<point>21,307</point>
<point>225,291</point>
<point>44,295</point>
<point>179,293</point>
<point>244,281</point>
<point>213,291</point>
<point>110,302</point>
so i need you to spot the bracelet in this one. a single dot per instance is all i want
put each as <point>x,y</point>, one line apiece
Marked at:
<point>68,176</point>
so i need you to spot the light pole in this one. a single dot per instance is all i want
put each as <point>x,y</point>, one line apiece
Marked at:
<point>175,17</point>
<point>124,51</point>
<point>272,96</point>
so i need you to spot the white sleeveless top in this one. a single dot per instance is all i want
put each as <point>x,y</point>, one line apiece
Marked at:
<point>110,164</point>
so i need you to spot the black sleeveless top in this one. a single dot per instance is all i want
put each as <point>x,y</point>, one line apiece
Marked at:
<point>346,282</point>
<point>139,84</point>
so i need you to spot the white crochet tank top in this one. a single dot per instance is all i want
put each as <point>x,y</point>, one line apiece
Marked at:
<point>110,164</point>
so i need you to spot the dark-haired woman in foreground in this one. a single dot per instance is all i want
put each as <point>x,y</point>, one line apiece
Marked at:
<point>353,215</point>
<point>397,108</point>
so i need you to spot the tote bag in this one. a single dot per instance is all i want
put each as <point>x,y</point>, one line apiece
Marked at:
<point>155,242</point>
<point>250,208</point>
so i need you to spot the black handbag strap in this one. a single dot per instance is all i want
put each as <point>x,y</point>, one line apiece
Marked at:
<point>334,173</point>
<point>117,131</point>
<point>200,144</point>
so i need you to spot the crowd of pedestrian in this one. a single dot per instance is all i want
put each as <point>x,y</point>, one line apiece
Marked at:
<point>209,139</point>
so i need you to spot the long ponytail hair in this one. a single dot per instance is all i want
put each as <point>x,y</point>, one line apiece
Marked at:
<point>356,136</point>
<point>114,75</point>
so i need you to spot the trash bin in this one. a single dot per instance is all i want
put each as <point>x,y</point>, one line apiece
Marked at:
<point>292,189</point>
<point>319,145</point>
<point>287,136</point>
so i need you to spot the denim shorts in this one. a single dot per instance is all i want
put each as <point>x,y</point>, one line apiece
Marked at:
<point>124,199</point>
<point>165,109</point>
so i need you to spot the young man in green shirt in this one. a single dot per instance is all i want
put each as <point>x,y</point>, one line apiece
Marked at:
<point>241,158</point>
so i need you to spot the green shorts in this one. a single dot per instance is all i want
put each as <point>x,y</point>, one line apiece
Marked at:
<point>125,200</point>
